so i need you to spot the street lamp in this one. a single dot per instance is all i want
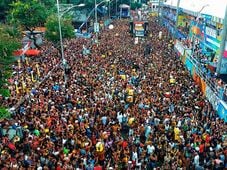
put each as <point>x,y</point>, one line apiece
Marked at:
<point>60,34</point>
<point>177,16</point>
<point>96,15</point>
<point>67,10</point>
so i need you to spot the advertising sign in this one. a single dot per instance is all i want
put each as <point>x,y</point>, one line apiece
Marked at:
<point>179,47</point>
<point>212,98</point>
<point>222,110</point>
<point>225,51</point>
<point>96,27</point>
<point>182,20</point>
<point>211,38</point>
<point>189,65</point>
<point>223,66</point>
<point>139,29</point>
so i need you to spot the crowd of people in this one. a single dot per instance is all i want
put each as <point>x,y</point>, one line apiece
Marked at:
<point>116,108</point>
<point>29,71</point>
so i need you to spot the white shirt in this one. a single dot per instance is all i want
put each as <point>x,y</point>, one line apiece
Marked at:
<point>120,117</point>
<point>150,149</point>
<point>196,160</point>
<point>134,156</point>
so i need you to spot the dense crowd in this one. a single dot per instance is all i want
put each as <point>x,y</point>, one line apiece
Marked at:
<point>119,108</point>
<point>29,71</point>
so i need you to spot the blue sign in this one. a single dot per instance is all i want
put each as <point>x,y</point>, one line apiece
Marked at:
<point>83,35</point>
<point>207,17</point>
<point>189,65</point>
<point>222,110</point>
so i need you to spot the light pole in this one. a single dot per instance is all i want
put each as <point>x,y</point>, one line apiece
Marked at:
<point>96,25</point>
<point>60,35</point>
<point>159,6</point>
<point>116,7</point>
<point>67,10</point>
<point>109,8</point>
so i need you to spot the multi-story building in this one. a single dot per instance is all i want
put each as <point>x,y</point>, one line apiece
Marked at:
<point>198,35</point>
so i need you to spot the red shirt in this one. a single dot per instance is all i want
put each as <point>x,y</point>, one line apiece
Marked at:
<point>98,168</point>
<point>124,144</point>
<point>201,148</point>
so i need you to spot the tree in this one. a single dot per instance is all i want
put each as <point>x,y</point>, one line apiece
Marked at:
<point>52,29</point>
<point>4,8</point>
<point>9,42</point>
<point>4,113</point>
<point>50,5</point>
<point>9,36</point>
<point>136,5</point>
<point>30,14</point>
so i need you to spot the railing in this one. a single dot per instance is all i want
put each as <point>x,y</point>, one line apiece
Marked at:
<point>200,72</point>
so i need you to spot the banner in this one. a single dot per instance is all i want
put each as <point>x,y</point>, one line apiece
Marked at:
<point>179,47</point>
<point>183,58</point>
<point>189,65</point>
<point>223,66</point>
<point>212,98</point>
<point>182,20</point>
<point>203,86</point>
<point>197,79</point>
<point>139,29</point>
<point>222,110</point>
<point>211,38</point>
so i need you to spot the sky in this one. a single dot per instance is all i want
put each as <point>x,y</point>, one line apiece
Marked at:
<point>212,7</point>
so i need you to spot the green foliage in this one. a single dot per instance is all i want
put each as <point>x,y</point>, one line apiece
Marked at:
<point>5,92</point>
<point>52,29</point>
<point>29,13</point>
<point>4,113</point>
<point>4,8</point>
<point>9,42</point>
<point>135,5</point>
<point>50,5</point>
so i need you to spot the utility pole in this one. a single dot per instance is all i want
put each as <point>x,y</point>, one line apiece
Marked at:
<point>223,41</point>
<point>159,6</point>
<point>109,9</point>
<point>116,7</point>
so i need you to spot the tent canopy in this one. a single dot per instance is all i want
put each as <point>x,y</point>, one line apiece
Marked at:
<point>124,6</point>
<point>30,52</point>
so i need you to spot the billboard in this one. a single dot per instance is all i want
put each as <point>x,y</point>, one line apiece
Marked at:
<point>222,110</point>
<point>139,28</point>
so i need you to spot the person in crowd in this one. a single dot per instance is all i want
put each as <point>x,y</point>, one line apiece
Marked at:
<point>117,108</point>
